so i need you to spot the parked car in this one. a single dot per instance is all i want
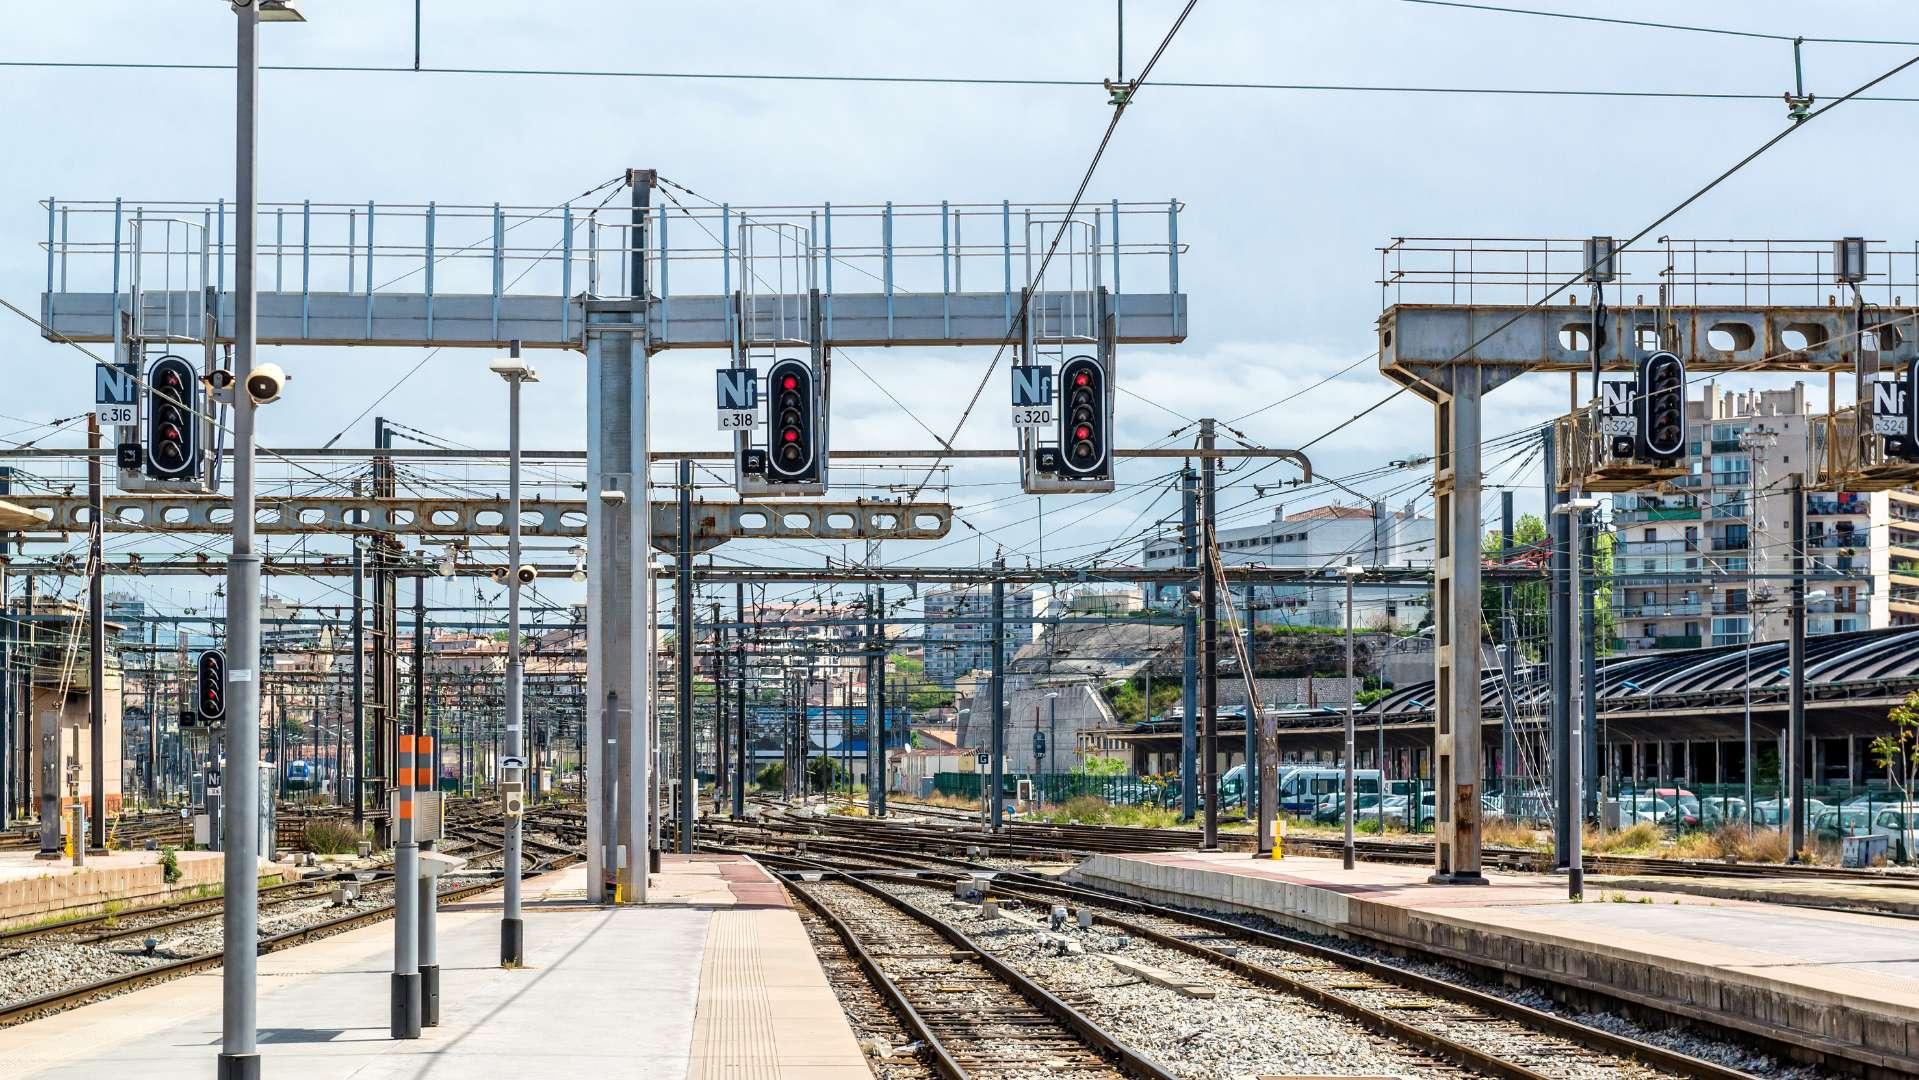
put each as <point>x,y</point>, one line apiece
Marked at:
<point>1332,808</point>
<point>1902,825</point>
<point>1397,814</point>
<point>1771,813</point>
<point>1720,810</point>
<point>1844,821</point>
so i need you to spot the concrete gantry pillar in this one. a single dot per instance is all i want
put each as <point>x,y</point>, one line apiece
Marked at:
<point>1456,617</point>
<point>619,651</point>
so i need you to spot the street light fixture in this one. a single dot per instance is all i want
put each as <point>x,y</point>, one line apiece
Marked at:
<point>239,1057</point>
<point>512,771</point>
<point>1577,508</point>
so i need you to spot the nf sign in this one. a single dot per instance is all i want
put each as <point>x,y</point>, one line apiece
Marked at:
<point>115,391</point>
<point>1616,407</point>
<point>1032,396</point>
<point>737,397</point>
<point>1889,408</point>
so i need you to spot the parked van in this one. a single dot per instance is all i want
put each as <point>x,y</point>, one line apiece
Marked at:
<point>1300,786</point>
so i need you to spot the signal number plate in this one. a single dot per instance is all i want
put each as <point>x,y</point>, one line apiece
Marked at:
<point>736,419</point>
<point>1034,416</point>
<point>114,414</point>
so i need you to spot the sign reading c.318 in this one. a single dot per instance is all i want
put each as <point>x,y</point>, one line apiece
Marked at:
<point>737,398</point>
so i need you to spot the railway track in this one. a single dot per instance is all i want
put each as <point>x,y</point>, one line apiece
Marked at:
<point>1414,1025</point>
<point>149,966</point>
<point>977,1016</point>
<point>1408,1004</point>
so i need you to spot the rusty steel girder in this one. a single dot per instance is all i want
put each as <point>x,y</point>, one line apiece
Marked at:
<point>443,519</point>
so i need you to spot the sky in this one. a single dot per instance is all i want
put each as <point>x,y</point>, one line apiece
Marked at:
<point>1288,194</point>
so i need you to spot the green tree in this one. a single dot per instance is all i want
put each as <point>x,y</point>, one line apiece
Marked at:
<point>1898,753</point>
<point>1532,547</point>
<point>1100,766</point>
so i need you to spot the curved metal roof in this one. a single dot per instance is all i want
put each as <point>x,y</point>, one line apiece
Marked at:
<point>1835,665</point>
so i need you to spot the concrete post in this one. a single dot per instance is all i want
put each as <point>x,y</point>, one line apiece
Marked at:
<point>513,773</point>
<point>739,704</point>
<point>405,1015</point>
<point>1456,701</point>
<point>1794,759</point>
<point>689,803</point>
<point>427,776</point>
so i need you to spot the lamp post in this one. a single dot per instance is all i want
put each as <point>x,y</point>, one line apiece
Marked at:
<point>1350,571</point>
<point>1577,508</point>
<point>516,372</point>
<point>239,1052</point>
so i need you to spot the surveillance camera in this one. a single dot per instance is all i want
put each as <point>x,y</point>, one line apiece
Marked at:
<point>527,574</point>
<point>1194,596</point>
<point>613,497</point>
<point>264,383</point>
<point>498,574</point>
<point>220,379</point>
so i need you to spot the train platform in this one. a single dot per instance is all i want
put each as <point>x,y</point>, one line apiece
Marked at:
<point>34,890</point>
<point>1838,983</point>
<point>713,977</point>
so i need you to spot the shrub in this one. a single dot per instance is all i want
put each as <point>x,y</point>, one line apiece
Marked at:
<point>1638,838</point>
<point>328,837</point>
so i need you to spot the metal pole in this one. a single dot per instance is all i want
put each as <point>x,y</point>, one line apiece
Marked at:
<point>512,926</point>
<point>1189,647</point>
<point>875,661</point>
<point>1507,736</point>
<point>1249,750</point>
<point>359,686</point>
<point>239,1056</point>
<point>1796,713</point>
<point>996,790</point>
<point>683,666</point>
<point>1559,653</point>
<point>1346,850</point>
<point>96,645</point>
<point>430,764</point>
<point>1209,648</point>
<point>739,703</point>
<point>1576,711</point>
<point>721,778</point>
<point>879,689</point>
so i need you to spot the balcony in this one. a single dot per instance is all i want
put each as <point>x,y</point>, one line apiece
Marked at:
<point>1844,505</point>
<point>1645,548</point>
<point>1837,540</point>
<point>1730,543</point>
<point>1732,510</point>
<point>1670,513</point>
<point>1731,607</point>
<point>1676,609</point>
<point>1640,643</point>
<point>1726,446</point>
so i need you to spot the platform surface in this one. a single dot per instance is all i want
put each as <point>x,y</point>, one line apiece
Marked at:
<point>1805,963</point>
<point>714,976</point>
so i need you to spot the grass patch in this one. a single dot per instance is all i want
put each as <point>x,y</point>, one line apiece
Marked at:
<point>1093,810</point>
<point>1642,838</point>
<point>169,865</point>
<point>328,837</point>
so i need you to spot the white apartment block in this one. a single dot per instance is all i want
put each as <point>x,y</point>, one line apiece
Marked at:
<point>1722,536</point>
<point>1321,538</point>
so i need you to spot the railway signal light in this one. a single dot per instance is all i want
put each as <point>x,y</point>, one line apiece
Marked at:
<point>1661,390</point>
<point>212,705</point>
<point>1085,432</point>
<point>794,427</point>
<point>173,404</point>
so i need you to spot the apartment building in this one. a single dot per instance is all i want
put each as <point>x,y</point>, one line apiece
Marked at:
<point>959,630</point>
<point>1706,564</point>
<point>1319,538</point>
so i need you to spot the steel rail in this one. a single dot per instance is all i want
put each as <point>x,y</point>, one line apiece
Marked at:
<point>1129,1060</point>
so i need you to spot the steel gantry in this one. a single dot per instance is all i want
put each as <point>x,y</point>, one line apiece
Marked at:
<point>1462,318</point>
<point>619,284</point>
